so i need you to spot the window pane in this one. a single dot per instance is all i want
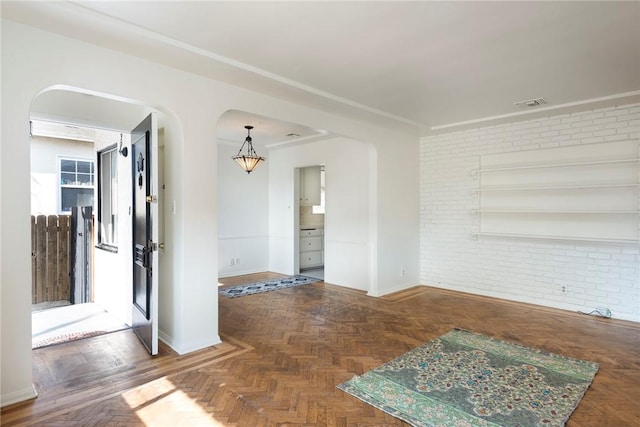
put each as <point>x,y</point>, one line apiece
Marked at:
<point>108,185</point>
<point>114,196</point>
<point>114,182</point>
<point>85,179</point>
<point>76,197</point>
<point>84,167</point>
<point>68,179</point>
<point>68,165</point>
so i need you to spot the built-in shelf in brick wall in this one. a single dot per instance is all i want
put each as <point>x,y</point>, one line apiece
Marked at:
<point>535,271</point>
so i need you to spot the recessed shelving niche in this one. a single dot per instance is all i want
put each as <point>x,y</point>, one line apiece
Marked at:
<point>586,193</point>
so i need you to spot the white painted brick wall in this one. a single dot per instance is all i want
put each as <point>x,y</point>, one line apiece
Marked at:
<point>596,275</point>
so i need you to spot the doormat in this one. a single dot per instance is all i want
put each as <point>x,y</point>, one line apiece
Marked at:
<point>266,286</point>
<point>464,378</point>
<point>60,339</point>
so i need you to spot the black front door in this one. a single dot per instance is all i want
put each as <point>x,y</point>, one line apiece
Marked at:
<point>144,210</point>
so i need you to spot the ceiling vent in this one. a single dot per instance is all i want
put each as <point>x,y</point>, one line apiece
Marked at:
<point>530,103</point>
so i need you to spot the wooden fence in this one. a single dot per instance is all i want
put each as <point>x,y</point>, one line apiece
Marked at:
<point>50,253</point>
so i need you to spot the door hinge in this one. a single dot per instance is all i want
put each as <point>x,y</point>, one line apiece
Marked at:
<point>152,199</point>
<point>153,247</point>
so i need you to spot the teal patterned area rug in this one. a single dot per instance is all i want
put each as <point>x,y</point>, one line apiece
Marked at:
<point>467,379</point>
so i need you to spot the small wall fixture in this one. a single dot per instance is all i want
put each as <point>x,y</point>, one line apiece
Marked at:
<point>123,150</point>
<point>250,160</point>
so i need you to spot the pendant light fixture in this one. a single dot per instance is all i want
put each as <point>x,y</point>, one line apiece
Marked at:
<point>250,160</point>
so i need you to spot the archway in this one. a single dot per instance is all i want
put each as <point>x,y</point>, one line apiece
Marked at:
<point>259,214</point>
<point>107,120</point>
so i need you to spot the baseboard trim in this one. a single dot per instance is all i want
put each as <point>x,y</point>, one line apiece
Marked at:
<point>182,349</point>
<point>240,272</point>
<point>393,289</point>
<point>557,311</point>
<point>18,396</point>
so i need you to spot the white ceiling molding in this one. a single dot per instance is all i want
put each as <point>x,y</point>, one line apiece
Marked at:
<point>602,102</point>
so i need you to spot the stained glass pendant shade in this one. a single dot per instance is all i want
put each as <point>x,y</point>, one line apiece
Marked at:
<point>250,159</point>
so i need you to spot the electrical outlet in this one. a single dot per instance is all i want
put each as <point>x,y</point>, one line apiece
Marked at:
<point>564,289</point>
<point>237,260</point>
<point>232,262</point>
<point>402,272</point>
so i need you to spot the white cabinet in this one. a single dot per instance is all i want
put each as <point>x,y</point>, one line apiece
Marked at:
<point>311,247</point>
<point>311,232</point>
<point>310,259</point>
<point>311,243</point>
<point>310,186</point>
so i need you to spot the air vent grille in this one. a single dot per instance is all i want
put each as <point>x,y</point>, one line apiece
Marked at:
<point>530,103</point>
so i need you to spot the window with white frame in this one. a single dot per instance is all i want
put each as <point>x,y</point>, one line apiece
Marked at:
<point>108,198</point>
<point>76,183</point>
<point>319,209</point>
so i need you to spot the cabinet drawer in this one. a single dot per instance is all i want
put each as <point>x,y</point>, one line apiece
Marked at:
<point>310,233</point>
<point>310,244</point>
<point>310,259</point>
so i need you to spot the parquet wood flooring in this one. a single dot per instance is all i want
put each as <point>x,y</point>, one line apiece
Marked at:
<point>285,351</point>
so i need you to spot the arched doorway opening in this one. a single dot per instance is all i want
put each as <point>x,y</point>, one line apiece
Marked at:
<point>80,141</point>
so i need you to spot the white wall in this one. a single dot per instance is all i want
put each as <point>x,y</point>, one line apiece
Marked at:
<point>112,270</point>
<point>519,269</point>
<point>346,233</point>
<point>243,215</point>
<point>45,158</point>
<point>188,294</point>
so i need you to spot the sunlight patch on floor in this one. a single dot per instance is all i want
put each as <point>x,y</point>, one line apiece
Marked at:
<point>160,403</point>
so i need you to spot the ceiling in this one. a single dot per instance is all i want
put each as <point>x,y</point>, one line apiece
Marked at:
<point>416,65</point>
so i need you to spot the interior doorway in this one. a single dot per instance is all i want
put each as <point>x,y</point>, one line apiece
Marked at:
<point>311,221</point>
